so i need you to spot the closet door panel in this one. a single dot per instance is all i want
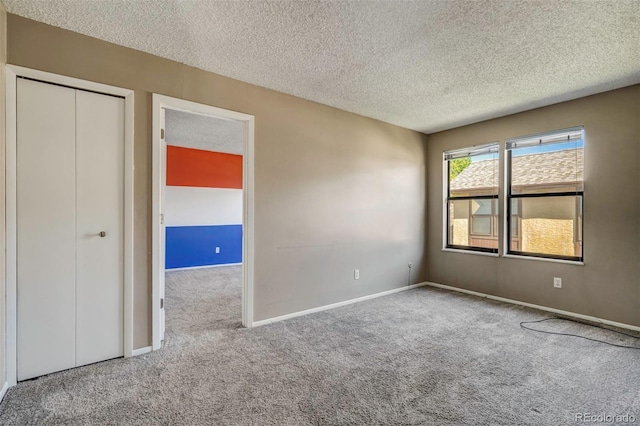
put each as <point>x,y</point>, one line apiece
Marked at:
<point>46,228</point>
<point>100,208</point>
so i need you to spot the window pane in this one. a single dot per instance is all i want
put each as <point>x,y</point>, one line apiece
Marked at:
<point>468,230</point>
<point>459,222</point>
<point>470,176</point>
<point>481,206</point>
<point>547,168</point>
<point>548,225</point>
<point>514,226</point>
<point>472,172</point>
<point>481,225</point>
<point>514,223</point>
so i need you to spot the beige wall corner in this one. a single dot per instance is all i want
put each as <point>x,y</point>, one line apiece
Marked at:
<point>607,285</point>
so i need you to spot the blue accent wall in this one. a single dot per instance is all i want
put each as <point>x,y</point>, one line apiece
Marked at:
<point>189,246</point>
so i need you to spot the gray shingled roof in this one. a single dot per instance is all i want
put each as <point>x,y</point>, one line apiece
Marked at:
<point>548,168</point>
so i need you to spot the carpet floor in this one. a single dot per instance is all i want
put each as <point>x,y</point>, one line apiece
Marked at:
<point>419,357</point>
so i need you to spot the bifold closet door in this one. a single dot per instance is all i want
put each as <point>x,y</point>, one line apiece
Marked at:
<point>70,146</point>
<point>46,228</point>
<point>100,208</point>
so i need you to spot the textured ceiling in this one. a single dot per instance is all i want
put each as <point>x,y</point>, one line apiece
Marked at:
<point>202,132</point>
<point>425,65</point>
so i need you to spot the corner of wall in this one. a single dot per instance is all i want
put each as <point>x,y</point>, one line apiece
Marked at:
<point>611,125</point>
<point>425,256</point>
<point>3,61</point>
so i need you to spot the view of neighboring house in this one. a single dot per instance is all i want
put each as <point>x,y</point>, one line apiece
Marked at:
<point>546,224</point>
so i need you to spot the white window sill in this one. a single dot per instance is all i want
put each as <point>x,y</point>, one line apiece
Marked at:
<point>481,253</point>
<point>544,259</point>
<point>514,256</point>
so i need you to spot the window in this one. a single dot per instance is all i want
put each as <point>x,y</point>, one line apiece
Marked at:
<point>545,194</point>
<point>472,198</point>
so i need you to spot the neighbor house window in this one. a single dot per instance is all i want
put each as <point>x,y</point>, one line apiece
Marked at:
<point>545,192</point>
<point>471,214</point>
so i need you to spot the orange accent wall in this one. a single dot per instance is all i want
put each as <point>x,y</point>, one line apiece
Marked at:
<point>195,167</point>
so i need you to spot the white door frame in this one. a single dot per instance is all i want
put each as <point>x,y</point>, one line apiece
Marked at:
<point>158,250</point>
<point>12,74</point>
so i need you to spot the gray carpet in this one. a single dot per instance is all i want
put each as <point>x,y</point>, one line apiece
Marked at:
<point>424,356</point>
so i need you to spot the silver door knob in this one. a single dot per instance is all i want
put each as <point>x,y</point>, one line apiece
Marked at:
<point>102,234</point>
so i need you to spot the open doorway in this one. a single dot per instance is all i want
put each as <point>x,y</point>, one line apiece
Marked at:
<point>202,213</point>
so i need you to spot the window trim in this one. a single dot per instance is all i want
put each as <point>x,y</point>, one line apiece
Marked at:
<point>510,196</point>
<point>543,259</point>
<point>490,148</point>
<point>467,251</point>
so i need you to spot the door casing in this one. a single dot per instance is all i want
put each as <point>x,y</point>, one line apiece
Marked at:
<point>161,102</point>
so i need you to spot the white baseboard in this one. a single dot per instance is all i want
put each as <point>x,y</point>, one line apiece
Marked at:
<point>4,390</point>
<point>539,307</point>
<point>334,305</point>
<point>141,351</point>
<point>189,268</point>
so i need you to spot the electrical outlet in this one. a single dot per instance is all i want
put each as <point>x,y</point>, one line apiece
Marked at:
<point>410,265</point>
<point>217,250</point>
<point>557,282</point>
<point>356,274</point>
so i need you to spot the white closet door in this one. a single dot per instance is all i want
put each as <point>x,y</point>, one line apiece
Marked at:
<point>46,228</point>
<point>100,208</point>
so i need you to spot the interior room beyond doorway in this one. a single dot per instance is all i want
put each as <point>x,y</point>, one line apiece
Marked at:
<point>203,206</point>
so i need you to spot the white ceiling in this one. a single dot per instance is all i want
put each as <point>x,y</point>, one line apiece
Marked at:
<point>424,65</point>
<point>201,132</point>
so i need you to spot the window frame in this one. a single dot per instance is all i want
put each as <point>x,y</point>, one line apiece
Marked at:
<point>509,196</point>
<point>494,148</point>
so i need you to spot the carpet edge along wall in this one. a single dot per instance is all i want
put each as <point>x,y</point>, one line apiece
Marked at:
<point>203,208</point>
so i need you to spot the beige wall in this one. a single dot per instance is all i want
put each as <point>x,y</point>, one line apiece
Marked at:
<point>608,285</point>
<point>334,191</point>
<point>3,59</point>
